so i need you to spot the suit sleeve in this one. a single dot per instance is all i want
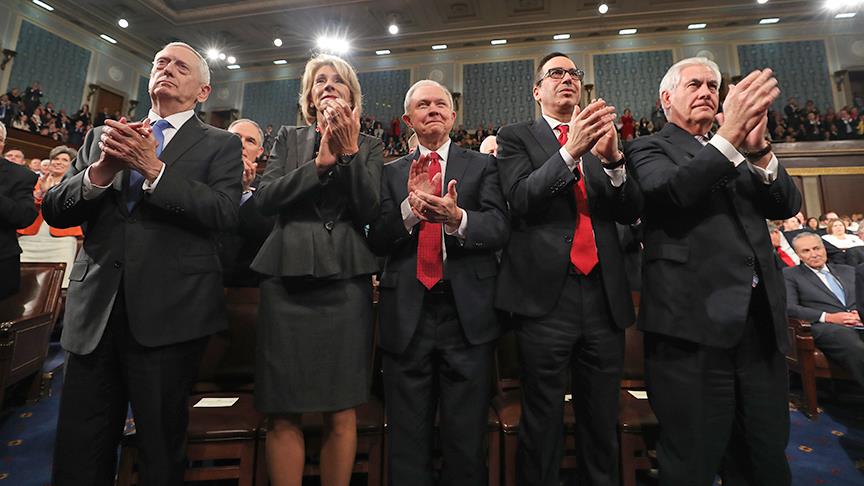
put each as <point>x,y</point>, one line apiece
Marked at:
<point>528,190</point>
<point>625,201</point>
<point>17,208</point>
<point>387,232</point>
<point>362,182</point>
<point>488,227</point>
<point>214,203</point>
<point>793,299</point>
<point>280,187</point>
<point>780,199</point>
<point>64,206</point>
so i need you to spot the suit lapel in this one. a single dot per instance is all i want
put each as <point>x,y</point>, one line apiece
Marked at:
<point>681,139</point>
<point>813,279</point>
<point>306,145</point>
<point>186,137</point>
<point>456,165</point>
<point>545,137</point>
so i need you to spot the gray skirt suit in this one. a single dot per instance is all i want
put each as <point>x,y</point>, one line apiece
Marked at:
<point>314,332</point>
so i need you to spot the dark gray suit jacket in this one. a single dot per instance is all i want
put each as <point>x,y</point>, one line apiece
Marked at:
<point>471,265</point>
<point>807,297</point>
<point>538,186</point>
<point>320,221</point>
<point>705,236</point>
<point>17,209</point>
<point>165,252</point>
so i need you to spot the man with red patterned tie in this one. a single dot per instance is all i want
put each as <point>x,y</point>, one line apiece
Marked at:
<point>562,274</point>
<point>442,219</point>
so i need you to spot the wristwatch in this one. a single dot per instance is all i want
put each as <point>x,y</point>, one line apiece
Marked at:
<point>614,165</point>
<point>755,156</point>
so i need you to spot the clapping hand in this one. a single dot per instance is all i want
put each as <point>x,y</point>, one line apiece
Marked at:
<point>588,125</point>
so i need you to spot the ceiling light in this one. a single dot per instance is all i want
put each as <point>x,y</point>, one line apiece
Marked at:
<point>761,2</point>
<point>838,4</point>
<point>772,20</point>
<point>44,5</point>
<point>498,42</point>
<point>277,42</point>
<point>561,36</point>
<point>603,8</point>
<point>338,45</point>
<point>439,47</point>
<point>627,31</point>
<point>697,26</point>
<point>280,61</point>
<point>222,56</point>
<point>393,29</point>
<point>383,52</point>
<point>123,23</point>
<point>212,54</point>
<point>232,60</point>
<point>233,66</point>
<point>108,38</point>
<point>845,15</point>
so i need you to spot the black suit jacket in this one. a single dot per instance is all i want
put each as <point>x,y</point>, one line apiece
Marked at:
<point>238,248</point>
<point>17,209</point>
<point>165,252</point>
<point>807,297</point>
<point>539,188</point>
<point>471,266</point>
<point>705,236</point>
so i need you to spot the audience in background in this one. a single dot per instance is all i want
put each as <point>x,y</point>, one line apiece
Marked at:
<point>16,156</point>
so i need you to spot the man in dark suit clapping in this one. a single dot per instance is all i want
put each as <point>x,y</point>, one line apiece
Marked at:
<point>146,289</point>
<point>442,219</point>
<point>17,210</point>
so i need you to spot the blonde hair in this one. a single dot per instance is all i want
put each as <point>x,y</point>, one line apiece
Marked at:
<point>345,71</point>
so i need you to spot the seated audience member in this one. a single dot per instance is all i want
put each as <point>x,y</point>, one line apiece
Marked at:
<point>812,225</point>
<point>35,165</point>
<point>842,247</point>
<point>16,211</point>
<point>239,248</point>
<point>825,295</point>
<point>43,243</point>
<point>851,225</point>
<point>823,222</point>
<point>15,156</point>
<point>21,122</point>
<point>489,145</point>
<point>785,255</point>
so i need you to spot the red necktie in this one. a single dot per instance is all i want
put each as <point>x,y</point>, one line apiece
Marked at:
<point>785,257</point>
<point>583,251</point>
<point>430,258</point>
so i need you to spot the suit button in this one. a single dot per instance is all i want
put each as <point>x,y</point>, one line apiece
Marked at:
<point>329,225</point>
<point>118,264</point>
<point>749,261</point>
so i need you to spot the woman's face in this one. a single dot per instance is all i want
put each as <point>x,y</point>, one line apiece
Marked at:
<point>328,85</point>
<point>813,223</point>
<point>60,164</point>
<point>838,228</point>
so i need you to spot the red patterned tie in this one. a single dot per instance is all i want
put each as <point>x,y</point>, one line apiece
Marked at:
<point>583,251</point>
<point>430,258</point>
<point>785,257</point>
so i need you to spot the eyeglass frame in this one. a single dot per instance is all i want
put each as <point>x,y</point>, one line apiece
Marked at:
<point>580,74</point>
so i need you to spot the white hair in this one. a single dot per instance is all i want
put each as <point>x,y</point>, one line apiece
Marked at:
<point>251,122</point>
<point>2,133</point>
<point>203,67</point>
<point>425,82</point>
<point>673,75</point>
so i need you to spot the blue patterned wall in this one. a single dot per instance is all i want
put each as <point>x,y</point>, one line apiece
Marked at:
<point>59,65</point>
<point>497,93</point>
<point>271,102</point>
<point>143,98</point>
<point>384,94</point>
<point>630,80</point>
<point>801,69</point>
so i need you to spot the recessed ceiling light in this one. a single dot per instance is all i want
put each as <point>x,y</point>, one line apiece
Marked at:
<point>603,8</point>
<point>233,66</point>
<point>222,56</point>
<point>627,31</point>
<point>280,61</point>
<point>498,42</point>
<point>845,15</point>
<point>761,2</point>
<point>561,36</point>
<point>439,47</point>
<point>123,23</point>
<point>393,29</point>
<point>697,26</point>
<point>108,38</point>
<point>772,20</point>
<point>383,52</point>
<point>232,60</point>
<point>277,42</point>
<point>212,54</point>
<point>338,45</point>
<point>44,5</point>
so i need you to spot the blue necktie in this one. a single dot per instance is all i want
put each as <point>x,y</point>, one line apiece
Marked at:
<point>136,180</point>
<point>834,285</point>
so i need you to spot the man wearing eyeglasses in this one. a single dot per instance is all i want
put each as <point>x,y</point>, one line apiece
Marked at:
<point>562,274</point>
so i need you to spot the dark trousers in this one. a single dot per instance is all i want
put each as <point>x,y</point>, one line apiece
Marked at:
<point>578,335</point>
<point>442,372</point>
<point>843,345</point>
<point>712,402</point>
<point>97,390</point>
<point>10,276</point>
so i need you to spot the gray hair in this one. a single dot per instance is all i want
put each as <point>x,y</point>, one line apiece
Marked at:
<point>802,235</point>
<point>62,149</point>
<point>425,82</point>
<point>251,122</point>
<point>203,67</point>
<point>2,132</point>
<point>673,75</point>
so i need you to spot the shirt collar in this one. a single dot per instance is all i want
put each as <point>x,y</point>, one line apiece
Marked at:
<point>443,150</point>
<point>820,270</point>
<point>553,123</point>
<point>176,120</point>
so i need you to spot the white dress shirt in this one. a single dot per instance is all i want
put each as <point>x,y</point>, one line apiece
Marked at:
<point>616,176</point>
<point>177,120</point>
<point>824,281</point>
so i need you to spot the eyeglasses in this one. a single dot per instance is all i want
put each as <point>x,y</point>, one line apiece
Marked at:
<point>557,73</point>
